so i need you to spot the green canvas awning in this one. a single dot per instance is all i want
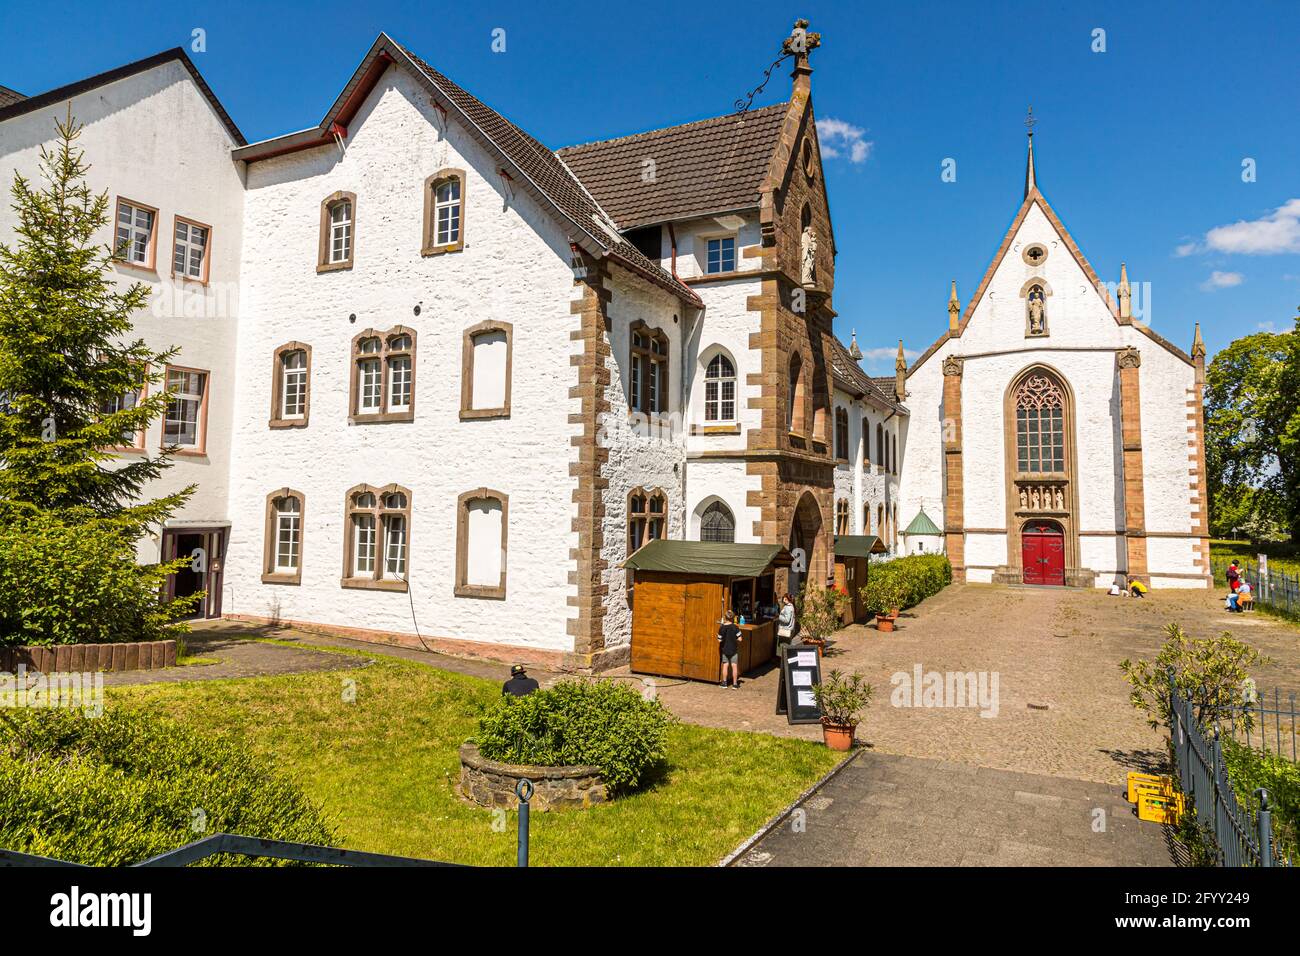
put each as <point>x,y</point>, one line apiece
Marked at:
<point>858,545</point>
<point>709,558</point>
<point>922,524</point>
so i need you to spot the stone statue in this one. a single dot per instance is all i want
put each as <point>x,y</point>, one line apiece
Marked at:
<point>1038,501</point>
<point>809,252</point>
<point>1024,498</point>
<point>1060,500</point>
<point>1037,320</point>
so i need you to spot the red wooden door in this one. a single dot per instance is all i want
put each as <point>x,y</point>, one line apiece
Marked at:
<point>1043,553</point>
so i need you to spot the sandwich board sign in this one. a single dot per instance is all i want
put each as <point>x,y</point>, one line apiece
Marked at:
<point>801,669</point>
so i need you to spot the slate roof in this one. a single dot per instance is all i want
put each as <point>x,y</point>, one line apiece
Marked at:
<point>850,377</point>
<point>707,167</point>
<point>15,104</point>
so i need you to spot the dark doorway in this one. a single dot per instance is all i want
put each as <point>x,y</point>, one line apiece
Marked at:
<point>206,549</point>
<point>1043,553</point>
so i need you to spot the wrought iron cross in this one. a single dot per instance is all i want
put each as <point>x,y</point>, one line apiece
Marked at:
<point>1030,122</point>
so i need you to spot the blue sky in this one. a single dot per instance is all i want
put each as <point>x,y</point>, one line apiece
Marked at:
<point>1139,148</point>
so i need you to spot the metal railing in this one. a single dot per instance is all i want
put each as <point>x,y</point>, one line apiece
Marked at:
<point>1277,589</point>
<point>1241,837</point>
<point>238,845</point>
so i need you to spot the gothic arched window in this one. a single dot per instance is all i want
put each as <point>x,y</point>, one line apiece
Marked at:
<point>794,412</point>
<point>842,434</point>
<point>1040,426</point>
<point>842,516</point>
<point>717,524</point>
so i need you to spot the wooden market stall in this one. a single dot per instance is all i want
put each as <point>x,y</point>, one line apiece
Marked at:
<point>852,553</point>
<point>681,590</point>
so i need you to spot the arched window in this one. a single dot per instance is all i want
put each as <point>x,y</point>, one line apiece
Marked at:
<point>720,390</point>
<point>880,521</point>
<point>383,376</point>
<point>717,524</point>
<point>880,445</point>
<point>337,222</point>
<point>1040,426</point>
<point>377,546</point>
<point>481,539</point>
<point>842,434</point>
<point>866,518</point>
<point>282,550</point>
<point>795,397</point>
<point>647,514</point>
<point>842,516</point>
<point>486,359</point>
<point>866,444</point>
<point>444,212</point>
<point>893,458</point>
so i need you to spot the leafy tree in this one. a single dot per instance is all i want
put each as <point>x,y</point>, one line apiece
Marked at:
<point>66,359</point>
<point>1210,672</point>
<point>1252,430</point>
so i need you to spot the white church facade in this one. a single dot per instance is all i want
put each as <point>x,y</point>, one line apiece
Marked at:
<point>437,381</point>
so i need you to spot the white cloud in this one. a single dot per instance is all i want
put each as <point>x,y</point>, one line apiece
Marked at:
<point>1222,280</point>
<point>1269,235</point>
<point>842,139</point>
<point>1267,327</point>
<point>1186,249</point>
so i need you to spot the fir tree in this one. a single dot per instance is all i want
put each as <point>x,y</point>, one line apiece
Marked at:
<point>67,359</point>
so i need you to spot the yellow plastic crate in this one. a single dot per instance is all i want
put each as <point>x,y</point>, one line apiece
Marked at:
<point>1160,784</point>
<point>1159,807</point>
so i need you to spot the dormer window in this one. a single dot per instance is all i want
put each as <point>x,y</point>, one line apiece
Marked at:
<point>721,255</point>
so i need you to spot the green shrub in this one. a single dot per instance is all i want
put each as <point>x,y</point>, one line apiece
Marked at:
<point>1248,770</point>
<point>64,582</point>
<point>905,582</point>
<point>578,722</point>
<point>119,788</point>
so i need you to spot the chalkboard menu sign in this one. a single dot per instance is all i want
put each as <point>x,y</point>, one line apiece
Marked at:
<point>801,669</point>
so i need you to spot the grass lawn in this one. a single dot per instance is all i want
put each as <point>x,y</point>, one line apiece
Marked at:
<point>1282,556</point>
<point>384,768</point>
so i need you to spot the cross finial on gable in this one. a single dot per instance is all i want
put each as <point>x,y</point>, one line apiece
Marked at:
<point>799,44</point>
<point>1030,122</point>
<point>1031,183</point>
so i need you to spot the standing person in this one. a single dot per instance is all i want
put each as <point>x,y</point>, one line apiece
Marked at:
<point>519,684</point>
<point>787,624</point>
<point>729,639</point>
<point>1234,577</point>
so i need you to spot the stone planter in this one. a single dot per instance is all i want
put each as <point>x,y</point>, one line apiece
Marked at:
<point>77,658</point>
<point>492,784</point>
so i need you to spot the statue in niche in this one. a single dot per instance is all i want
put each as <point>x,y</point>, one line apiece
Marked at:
<point>1060,500</point>
<point>1037,312</point>
<point>809,255</point>
<point>1037,499</point>
<point>1024,498</point>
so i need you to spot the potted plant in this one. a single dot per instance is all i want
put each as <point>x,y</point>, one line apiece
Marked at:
<point>820,614</point>
<point>842,699</point>
<point>883,598</point>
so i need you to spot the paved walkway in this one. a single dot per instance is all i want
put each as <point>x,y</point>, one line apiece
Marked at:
<point>886,810</point>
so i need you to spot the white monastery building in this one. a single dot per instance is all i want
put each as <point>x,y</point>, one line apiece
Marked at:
<point>436,381</point>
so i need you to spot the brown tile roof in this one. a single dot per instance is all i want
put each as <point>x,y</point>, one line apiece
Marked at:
<point>711,166</point>
<point>23,104</point>
<point>850,376</point>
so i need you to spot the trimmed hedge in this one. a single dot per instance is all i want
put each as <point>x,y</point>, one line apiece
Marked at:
<point>130,784</point>
<point>579,722</point>
<point>905,582</point>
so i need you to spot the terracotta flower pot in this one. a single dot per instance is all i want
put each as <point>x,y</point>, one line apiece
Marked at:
<point>885,623</point>
<point>838,736</point>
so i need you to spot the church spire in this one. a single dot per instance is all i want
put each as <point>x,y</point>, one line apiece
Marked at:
<point>1031,184</point>
<point>954,308</point>
<point>1124,293</point>
<point>900,374</point>
<point>855,353</point>
<point>1198,355</point>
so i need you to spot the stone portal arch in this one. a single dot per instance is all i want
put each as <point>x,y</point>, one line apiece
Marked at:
<point>806,535</point>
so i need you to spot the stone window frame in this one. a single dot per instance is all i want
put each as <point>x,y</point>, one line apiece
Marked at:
<point>200,447</point>
<point>141,435</point>
<point>842,516</point>
<point>375,581</point>
<point>429,245</point>
<point>717,507</point>
<point>649,494</point>
<point>866,444</point>
<point>713,354</point>
<point>882,449</point>
<point>207,249</point>
<point>483,591</point>
<point>841,433</point>
<point>646,354</point>
<point>893,455</point>
<point>1024,254</point>
<point>271,537</point>
<point>384,356</point>
<point>151,257</point>
<point>467,411</point>
<point>278,420</point>
<point>702,241</point>
<point>323,263</point>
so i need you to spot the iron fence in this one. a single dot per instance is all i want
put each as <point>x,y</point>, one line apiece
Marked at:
<point>1277,589</point>
<point>1242,837</point>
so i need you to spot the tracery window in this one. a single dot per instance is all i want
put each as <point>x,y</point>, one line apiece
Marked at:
<point>1040,426</point>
